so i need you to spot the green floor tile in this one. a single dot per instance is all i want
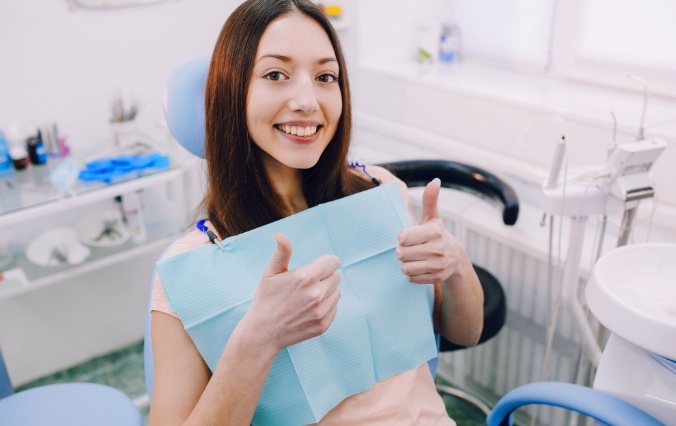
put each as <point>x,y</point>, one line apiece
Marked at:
<point>123,370</point>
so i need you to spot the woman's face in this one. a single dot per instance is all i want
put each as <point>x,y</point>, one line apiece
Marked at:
<point>294,100</point>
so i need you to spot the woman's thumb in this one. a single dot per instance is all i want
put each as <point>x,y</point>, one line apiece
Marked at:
<point>280,257</point>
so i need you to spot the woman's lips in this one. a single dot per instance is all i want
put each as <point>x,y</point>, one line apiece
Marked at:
<point>297,138</point>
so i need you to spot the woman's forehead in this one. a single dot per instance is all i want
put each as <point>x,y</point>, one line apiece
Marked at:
<point>294,35</point>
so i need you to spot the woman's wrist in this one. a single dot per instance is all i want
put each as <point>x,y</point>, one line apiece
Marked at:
<point>251,335</point>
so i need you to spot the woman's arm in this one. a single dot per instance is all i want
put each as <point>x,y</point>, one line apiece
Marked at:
<point>430,254</point>
<point>462,309</point>
<point>288,307</point>
<point>183,392</point>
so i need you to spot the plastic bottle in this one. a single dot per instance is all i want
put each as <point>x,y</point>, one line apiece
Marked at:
<point>6,167</point>
<point>36,149</point>
<point>133,212</point>
<point>449,44</point>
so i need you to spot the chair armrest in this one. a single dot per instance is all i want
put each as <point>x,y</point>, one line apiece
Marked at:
<point>598,405</point>
<point>459,176</point>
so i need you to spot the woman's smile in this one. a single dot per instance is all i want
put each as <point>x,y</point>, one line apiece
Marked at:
<point>299,132</point>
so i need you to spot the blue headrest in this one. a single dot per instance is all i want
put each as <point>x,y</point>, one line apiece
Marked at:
<point>184,104</point>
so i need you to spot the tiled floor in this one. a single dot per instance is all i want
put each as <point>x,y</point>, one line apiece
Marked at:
<point>124,370</point>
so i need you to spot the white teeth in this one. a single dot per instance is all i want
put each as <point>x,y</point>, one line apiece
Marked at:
<point>298,131</point>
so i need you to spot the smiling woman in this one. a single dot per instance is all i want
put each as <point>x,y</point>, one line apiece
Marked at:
<point>277,128</point>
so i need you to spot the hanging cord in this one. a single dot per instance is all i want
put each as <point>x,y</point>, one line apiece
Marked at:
<point>544,371</point>
<point>652,217</point>
<point>358,165</point>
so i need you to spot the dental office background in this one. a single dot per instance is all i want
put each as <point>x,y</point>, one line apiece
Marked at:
<point>521,74</point>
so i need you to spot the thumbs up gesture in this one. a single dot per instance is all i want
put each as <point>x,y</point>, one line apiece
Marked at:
<point>428,252</point>
<point>291,306</point>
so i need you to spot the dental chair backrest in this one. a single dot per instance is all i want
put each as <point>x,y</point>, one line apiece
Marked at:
<point>184,104</point>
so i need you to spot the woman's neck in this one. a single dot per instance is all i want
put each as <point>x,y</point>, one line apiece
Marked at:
<point>288,184</point>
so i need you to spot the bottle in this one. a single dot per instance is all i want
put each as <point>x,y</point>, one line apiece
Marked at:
<point>133,214</point>
<point>36,149</point>
<point>333,11</point>
<point>6,167</point>
<point>449,44</point>
<point>427,33</point>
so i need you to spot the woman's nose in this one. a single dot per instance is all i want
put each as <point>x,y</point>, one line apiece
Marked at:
<point>304,98</point>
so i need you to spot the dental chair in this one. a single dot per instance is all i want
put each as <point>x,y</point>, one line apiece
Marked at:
<point>184,111</point>
<point>72,404</point>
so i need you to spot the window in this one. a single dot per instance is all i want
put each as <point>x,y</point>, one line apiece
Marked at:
<point>600,41</point>
<point>597,41</point>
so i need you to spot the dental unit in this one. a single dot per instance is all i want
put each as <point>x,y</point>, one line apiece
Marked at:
<point>632,290</point>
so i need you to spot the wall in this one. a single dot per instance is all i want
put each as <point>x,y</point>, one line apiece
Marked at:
<point>66,66</point>
<point>506,121</point>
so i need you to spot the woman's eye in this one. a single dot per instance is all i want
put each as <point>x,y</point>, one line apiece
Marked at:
<point>274,76</point>
<point>327,78</point>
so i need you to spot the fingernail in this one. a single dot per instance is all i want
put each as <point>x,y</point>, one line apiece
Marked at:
<point>398,254</point>
<point>400,237</point>
<point>403,270</point>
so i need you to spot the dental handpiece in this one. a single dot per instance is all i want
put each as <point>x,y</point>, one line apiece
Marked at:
<point>557,161</point>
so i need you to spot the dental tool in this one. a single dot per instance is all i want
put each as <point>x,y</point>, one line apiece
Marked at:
<point>557,161</point>
<point>640,135</point>
<point>555,169</point>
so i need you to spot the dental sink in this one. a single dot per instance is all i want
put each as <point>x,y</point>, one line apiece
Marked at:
<point>632,292</point>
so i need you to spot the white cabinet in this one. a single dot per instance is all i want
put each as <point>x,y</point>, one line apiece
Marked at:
<point>63,315</point>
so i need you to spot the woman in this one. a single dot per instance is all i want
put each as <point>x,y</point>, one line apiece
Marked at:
<point>278,125</point>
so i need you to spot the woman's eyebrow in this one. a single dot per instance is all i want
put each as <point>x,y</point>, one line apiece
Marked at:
<point>287,59</point>
<point>325,60</point>
<point>273,56</point>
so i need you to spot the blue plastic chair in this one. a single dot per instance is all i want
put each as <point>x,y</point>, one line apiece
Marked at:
<point>72,404</point>
<point>598,405</point>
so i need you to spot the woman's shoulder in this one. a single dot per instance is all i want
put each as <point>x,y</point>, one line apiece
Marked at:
<point>385,176</point>
<point>381,173</point>
<point>187,242</point>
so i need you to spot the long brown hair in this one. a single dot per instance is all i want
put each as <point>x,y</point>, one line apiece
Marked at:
<point>239,196</point>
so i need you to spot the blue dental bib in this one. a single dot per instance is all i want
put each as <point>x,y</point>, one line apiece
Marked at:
<point>383,325</point>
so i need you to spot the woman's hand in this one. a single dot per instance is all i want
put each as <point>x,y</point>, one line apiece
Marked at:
<point>428,252</point>
<point>293,306</point>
